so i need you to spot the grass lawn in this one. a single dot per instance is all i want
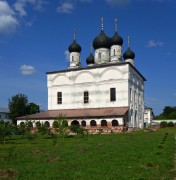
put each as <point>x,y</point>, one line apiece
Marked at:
<point>136,155</point>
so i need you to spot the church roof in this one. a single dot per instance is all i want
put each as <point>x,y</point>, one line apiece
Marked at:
<point>74,47</point>
<point>102,41</point>
<point>4,110</point>
<point>79,113</point>
<point>90,59</point>
<point>129,54</point>
<point>116,39</point>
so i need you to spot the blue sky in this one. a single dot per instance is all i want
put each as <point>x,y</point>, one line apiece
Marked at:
<point>35,35</point>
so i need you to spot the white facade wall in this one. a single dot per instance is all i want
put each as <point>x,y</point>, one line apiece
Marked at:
<point>74,59</point>
<point>98,81</point>
<point>102,56</point>
<point>136,99</point>
<point>98,121</point>
<point>116,53</point>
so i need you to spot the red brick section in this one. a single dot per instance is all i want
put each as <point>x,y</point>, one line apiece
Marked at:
<point>80,113</point>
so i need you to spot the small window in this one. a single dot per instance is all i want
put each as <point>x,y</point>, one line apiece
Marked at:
<point>86,97</point>
<point>114,52</point>
<point>112,94</point>
<point>130,94</point>
<point>99,55</point>
<point>72,58</point>
<point>59,97</point>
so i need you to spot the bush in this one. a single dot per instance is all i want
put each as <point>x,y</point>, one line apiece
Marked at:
<point>38,124</point>
<point>55,124</point>
<point>163,124</point>
<point>170,124</point>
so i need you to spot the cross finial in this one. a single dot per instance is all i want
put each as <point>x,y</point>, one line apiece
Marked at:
<point>90,47</point>
<point>115,20</point>
<point>102,23</point>
<point>74,31</point>
<point>128,41</point>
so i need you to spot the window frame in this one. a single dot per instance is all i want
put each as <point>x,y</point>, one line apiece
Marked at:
<point>59,97</point>
<point>112,94</point>
<point>86,97</point>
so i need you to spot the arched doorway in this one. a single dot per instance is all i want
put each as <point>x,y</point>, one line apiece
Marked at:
<point>115,123</point>
<point>22,124</point>
<point>75,123</point>
<point>93,123</point>
<point>83,123</point>
<point>47,124</point>
<point>30,124</point>
<point>103,123</point>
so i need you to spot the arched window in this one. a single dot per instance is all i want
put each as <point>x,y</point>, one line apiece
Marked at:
<point>114,52</point>
<point>83,123</point>
<point>72,58</point>
<point>22,124</point>
<point>75,123</point>
<point>99,55</point>
<point>30,124</point>
<point>93,123</point>
<point>115,123</point>
<point>47,124</point>
<point>38,124</point>
<point>103,123</point>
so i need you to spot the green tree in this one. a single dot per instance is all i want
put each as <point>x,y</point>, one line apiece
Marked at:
<point>33,108</point>
<point>5,130</point>
<point>55,124</point>
<point>62,124</point>
<point>18,106</point>
<point>168,113</point>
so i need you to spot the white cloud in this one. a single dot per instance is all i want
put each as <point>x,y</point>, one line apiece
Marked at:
<point>174,94</point>
<point>117,2</point>
<point>65,7</point>
<point>67,55</point>
<point>27,70</point>
<point>154,43</point>
<point>8,21</point>
<point>20,5</point>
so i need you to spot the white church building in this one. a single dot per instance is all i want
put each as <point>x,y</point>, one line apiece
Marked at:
<point>108,93</point>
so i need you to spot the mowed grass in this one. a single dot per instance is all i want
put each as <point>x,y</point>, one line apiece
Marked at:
<point>136,155</point>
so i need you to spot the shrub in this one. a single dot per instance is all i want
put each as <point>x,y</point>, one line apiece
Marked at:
<point>170,124</point>
<point>55,124</point>
<point>38,124</point>
<point>163,124</point>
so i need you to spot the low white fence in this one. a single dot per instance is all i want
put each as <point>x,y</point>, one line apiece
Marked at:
<point>167,120</point>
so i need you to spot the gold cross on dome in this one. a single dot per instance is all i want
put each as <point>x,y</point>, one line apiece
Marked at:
<point>102,23</point>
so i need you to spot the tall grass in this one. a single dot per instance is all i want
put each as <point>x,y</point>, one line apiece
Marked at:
<point>135,155</point>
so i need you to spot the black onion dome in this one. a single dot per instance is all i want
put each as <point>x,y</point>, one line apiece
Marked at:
<point>74,47</point>
<point>102,41</point>
<point>90,59</point>
<point>129,54</point>
<point>116,39</point>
